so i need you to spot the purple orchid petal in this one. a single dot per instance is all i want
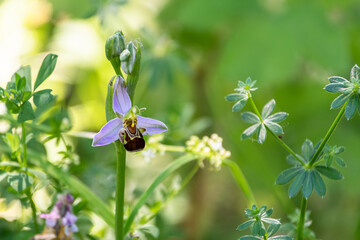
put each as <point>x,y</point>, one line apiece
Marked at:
<point>108,133</point>
<point>151,126</point>
<point>121,99</point>
<point>69,219</point>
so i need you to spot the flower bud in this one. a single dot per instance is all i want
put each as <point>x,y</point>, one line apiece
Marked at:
<point>124,55</point>
<point>115,44</point>
<point>128,65</point>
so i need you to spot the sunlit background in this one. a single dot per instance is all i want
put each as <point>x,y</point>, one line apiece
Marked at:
<point>194,52</point>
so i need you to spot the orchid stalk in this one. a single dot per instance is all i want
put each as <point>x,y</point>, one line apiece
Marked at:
<point>124,121</point>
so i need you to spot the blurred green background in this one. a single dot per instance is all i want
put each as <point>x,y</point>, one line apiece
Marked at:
<point>194,52</point>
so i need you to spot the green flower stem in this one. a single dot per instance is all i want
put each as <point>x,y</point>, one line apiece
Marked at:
<point>282,143</point>
<point>171,148</point>
<point>328,135</point>
<point>331,130</point>
<point>28,192</point>
<point>33,209</point>
<point>241,180</point>
<point>23,138</point>
<point>120,190</point>
<point>254,107</point>
<point>300,227</point>
<point>172,167</point>
<point>115,62</point>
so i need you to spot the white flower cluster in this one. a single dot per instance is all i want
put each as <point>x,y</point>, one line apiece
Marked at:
<point>208,148</point>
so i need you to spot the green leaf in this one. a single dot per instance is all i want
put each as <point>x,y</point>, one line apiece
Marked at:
<point>3,176</point>
<point>271,221</point>
<point>268,109</point>
<point>9,164</point>
<point>340,100</point>
<point>19,181</point>
<point>296,184</point>
<point>46,69</point>
<point>20,83</point>
<point>285,176</point>
<point>335,87</point>
<point>272,229</point>
<point>245,225</point>
<point>248,237</point>
<point>235,97</point>
<point>336,79</point>
<point>43,97</point>
<point>274,127</point>
<point>249,131</point>
<point>12,107</point>
<point>293,161</point>
<point>319,184</point>
<point>238,106</point>
<point>340,161</point>
<point>22,72</point>
<point>256,228</point>
<point>280,238</point>
<point>250,117</point>
<point>308,184</point>
<point>26,112</point>
<point>262,209</point>
<point>355,73</point>
<point>13,141</point>
<point>277,117</point>
<point>267,213</point>
<point>261,135</point>
<point>307,149</point>
<point>329,172</point>
<point>351,106</point>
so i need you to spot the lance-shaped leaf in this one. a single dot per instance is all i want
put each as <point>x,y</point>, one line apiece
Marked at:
<point>319,184</point>
<point>250,117</point>
<point>329,172</point>
<point>268,109</point>
<point>296,184</point>
<point>245,225</point>
<point>286,176</point>
<point>46,69</point>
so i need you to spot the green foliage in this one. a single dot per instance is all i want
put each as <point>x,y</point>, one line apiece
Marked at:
<point>309,177</point>
<point>258,218</point>
<point>46,69</point>
<point>244,89</point>
<point>350,91</point>
<point>266,122</point>
<point>291,227</point>
<point>19,181</point>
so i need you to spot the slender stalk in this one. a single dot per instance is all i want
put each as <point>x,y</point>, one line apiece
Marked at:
<point>33,208</point>
<point>255,108</point>
<point>328,135</point>
<point>116,66</point>
<point>300,227</point>
<point>241,180</point>
<point>171,148</point>
<point>281,142</point>
<point>120,190</point>
<point>284,145</point>
<point>28,192</point>
<point>23,138</point>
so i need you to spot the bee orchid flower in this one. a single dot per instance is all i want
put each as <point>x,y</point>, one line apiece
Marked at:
<point>128,126</point>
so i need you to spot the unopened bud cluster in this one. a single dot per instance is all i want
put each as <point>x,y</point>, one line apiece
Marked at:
<point>208,148</point>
